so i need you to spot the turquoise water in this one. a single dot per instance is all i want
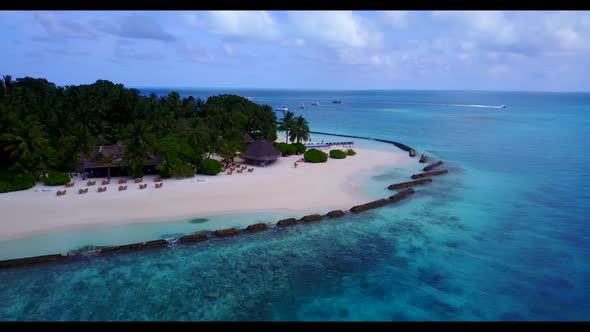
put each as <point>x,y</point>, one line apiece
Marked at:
<point>75,240</point>
<point>503,236</point>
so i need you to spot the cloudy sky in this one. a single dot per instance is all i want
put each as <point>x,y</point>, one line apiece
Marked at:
<point>485,50</point>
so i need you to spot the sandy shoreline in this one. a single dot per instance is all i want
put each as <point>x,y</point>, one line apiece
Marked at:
<point>309,188</point>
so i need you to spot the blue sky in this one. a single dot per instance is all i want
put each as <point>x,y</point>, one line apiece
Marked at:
<point>479,50</point>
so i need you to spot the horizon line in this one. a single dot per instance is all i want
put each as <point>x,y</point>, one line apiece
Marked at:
<point>347,89</point>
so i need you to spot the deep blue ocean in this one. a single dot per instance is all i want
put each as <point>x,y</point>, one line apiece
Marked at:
<point>504,236</point>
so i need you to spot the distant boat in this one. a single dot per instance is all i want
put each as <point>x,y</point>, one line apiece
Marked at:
<point>502,106</point>
<point>315,103</point>
<point>337,101</point>
<point>284,108</point>
<point>301,105</point>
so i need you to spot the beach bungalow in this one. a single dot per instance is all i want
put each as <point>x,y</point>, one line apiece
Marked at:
<point>105,160</point>
<point>247,139</point>
<point>261,152</point>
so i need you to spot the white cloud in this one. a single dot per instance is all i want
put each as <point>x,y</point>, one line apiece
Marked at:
<point>299,42</point>
<point>464,56</point>
<point>357,56</point>
<point>335,28</point>
<point>492,25</point>
<point>241,24</point>
<point>64,28</point>
<point>194,53</point>
<point>498,71</point>
<point>190,18</point>
<point>296,42</point>
<point>395,18</point>
<point>569,30</point>
<point>228,49</point>
<point>467,46</point>
<point>526,33</point>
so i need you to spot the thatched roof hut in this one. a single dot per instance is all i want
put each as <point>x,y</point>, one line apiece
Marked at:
<point>107,156</point>
<point>247,139</point>
<point>261,151</point>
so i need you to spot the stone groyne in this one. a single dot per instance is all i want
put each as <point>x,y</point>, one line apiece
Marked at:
<point>382,202</point>
<point>433,173</point>
<point>431,166</point>
<point>408,184</point>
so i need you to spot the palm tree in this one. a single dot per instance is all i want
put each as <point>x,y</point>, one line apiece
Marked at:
<point>7,80</point>
<point>84,140</point>
<point>287,123</point>
<point>199,103</point>
<point>139,143</point>
<point>153,98</point>
<point>196,134</point>
<point>227,150</point>
<point>300,130</point>
<point>29,149</point>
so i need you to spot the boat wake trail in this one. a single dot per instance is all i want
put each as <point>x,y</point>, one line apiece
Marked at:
<point>441,104</point>
<point>458,105</point>
<point>484,106</point>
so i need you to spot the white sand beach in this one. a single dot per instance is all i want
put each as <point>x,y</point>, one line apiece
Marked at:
<point>308,188</point>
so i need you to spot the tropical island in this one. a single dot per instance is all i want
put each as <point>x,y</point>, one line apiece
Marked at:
<point>97,154</point>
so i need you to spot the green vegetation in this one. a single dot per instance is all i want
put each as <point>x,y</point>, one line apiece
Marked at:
<point>350,152</point>
<point>337,154</point>
<point>228,149</point>
<point>290,149</point>
<point>56,179</point>
<point>295,128</point>
<point>282,147</point>
<point>176,157</point>
<point>13,181</point>
<point>45,128</point>
<point>300,147</point>
<point>286,123</point>
<point>299,130</point>
<point>286,149</point>
<point>210,166</point>
<point>315,156</point>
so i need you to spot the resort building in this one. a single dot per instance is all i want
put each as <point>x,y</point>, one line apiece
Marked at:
<point>105,160</point>
<point>247,139</point>
<point>261,152</point>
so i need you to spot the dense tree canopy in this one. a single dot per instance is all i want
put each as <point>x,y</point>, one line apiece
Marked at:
<point>45,128</point>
